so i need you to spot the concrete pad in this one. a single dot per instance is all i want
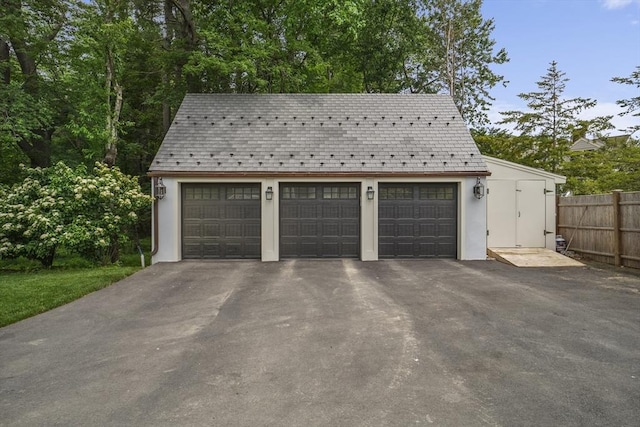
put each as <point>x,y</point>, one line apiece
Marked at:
<point>532,257</point>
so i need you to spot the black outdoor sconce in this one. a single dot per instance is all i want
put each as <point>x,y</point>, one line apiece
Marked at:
<point>478,189</point>
<point>370,193</point>
<point>160,189</point>
<point>268,194</point>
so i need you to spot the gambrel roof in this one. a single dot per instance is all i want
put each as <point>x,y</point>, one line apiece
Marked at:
<point>317,135</point>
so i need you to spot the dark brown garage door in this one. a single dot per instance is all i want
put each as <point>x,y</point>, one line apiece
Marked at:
<point>220,221</point>
<point>319,220</point>
<point>417,220</point>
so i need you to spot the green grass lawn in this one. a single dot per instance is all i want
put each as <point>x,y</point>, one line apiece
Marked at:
<point>26,289</point>
<point>25,294</point>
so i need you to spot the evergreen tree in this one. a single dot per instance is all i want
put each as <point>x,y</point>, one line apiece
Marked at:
<point>632,104</point>
<point>551,118</point>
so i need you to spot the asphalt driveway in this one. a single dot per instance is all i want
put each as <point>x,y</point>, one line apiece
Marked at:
<point>303,343</point>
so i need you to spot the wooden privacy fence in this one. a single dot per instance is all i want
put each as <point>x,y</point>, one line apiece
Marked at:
<point>603,227</point>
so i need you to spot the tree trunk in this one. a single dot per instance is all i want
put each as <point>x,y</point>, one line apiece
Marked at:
<point>114,107</point>
<point>5,69</point>
<point>38,149</point>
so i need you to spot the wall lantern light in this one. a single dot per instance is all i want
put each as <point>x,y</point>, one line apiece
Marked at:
<point>268,194</point>
<point>160,189</point>
<point>370,193</point>
<point>478,189</point>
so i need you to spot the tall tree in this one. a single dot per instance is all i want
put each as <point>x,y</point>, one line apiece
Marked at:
<point>551,118</point>
<point>631,104</point>
<point>461,53</point>
<point>31,100</point>
<point>388,41</point>
<point>103,31</point>
<point>275,46</point>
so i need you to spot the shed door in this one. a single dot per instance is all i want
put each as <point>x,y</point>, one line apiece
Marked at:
<point>417,220</point>
<point>220,221</point>
<point>502,213</point>
<point>319,220</point>
<point>531,214</point>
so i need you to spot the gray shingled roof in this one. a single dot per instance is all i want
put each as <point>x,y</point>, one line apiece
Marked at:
<point>317,134</point>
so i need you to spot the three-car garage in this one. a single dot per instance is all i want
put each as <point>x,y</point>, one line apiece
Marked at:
<point>319,220</point>
<point>291,176</point>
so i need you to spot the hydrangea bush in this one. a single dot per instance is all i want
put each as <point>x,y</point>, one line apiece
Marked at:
<point>91,213</point>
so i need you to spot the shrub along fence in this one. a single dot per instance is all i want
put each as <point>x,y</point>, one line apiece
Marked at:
<point>602,227</point>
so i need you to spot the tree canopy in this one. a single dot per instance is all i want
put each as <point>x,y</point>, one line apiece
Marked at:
<point>99,80</point>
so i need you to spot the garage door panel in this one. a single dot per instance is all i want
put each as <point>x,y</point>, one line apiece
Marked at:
<point>232,230</point>
<point>289,228</point>
<point>427,212</point>
<point>405,229</point>
<point>192,230</point>
<point>319,220</point>
<point>209,211</point>
<point>287,212</point>
<point>386,211</point>
<point>330,247</point>
<point>307,249</point>
<point>208,230</point>
<point>386,249</point>
<point>288,247</point>
<point>427,249</point>
<point>191,249</point>
<point>210,249</point>
<point>250,212</point>
<point>305,211</point>
<point>308,229</point>
<point>252,229</point>
<point>350,229</point>
<point>347,211</point>
<point>252,249</point>
<point>329,211</point>
<point>386,229</point>
<point>233,249</point>
<point>446,212</point>
<point>447,249</point>
<point>402,211</point>
<point>330,229</point>
<point>405,249</point>
<point>234,211</point>
<point>428,229</point>
<point>221,221</point>
<point>447,230</point>
<point>192,212</point>
<point>417,220</point>
<point>350,249</point>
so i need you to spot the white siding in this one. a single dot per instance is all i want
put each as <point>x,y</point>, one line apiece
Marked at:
<point>471,216</point>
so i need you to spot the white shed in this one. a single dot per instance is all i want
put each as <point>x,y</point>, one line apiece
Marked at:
<point>521,207</point>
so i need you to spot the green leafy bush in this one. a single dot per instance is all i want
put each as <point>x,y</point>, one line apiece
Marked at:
<point>91,213</point>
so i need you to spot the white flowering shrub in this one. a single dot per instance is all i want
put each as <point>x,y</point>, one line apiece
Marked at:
<point>92,214</point>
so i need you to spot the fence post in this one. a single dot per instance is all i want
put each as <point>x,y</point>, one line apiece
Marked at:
<point>617,240</point>
<point>557,214</point>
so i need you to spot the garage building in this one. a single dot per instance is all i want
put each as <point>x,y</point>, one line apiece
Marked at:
<point>363,176</point>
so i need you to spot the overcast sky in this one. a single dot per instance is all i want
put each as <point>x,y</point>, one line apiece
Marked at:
<point>591,40</point>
